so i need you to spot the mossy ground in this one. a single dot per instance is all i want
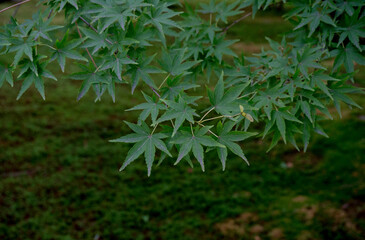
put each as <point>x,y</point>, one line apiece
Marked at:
<point>59,176</point>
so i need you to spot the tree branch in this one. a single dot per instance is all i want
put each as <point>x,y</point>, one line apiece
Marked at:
<point>87,50</point>
<point>17,4</point>
<point>91,26</point>
<point>235,22</point>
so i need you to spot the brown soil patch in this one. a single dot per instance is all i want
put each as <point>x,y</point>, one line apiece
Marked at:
<point>276,233</point>
<point>257,229</point>
<point>334,219</point>
<point>308,212</point>
<point>231,228</point>
<point>300,199</point>
<point>301,160</point>
<point>249,47</point>
<point>238,227</point>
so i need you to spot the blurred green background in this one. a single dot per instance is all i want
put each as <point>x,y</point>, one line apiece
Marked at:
<point>59,176</point>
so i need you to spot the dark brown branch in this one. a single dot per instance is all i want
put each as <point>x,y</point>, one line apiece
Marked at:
<point>91,26</point>
<point>50,14</point>
<point>235,22</point>
<point>87,50</point>
<point>17,4</point>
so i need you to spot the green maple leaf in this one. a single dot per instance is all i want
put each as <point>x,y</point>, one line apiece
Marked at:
<point>280,117</point>
<point>314,18</point>
<point>174,63</point>
<point>137,4</point>
<point>227,10</point>
<point>296,82</point>
<point>112,11</point>
<point>220,48</point>
<point>194,142</point>
<point>107,85</point>
<point>140,33</point>
<point>4,40</point>
<point>238,74</point>
<point>145,142</point>
<point>339,93</point>
<point>318,79</point>
<point>270,98</point>
<point>353,30</point>
<point>256,5</point>
<point>90,78</point>
<point>42,28</point>
<point>160,17</point>
<point>225,102</point>
<point>34,75</point>
<point>347,6</point>
<point>180,111</point>
<point>309,58</point>
<point>142,71</point>
<point>65,49</point>
<point>175,86</point>
<point>347,56</point>
<point>151,107</point>
<point>116,63</point>
<point>21,47</point>
<point>64,2</point>
<point>6,74</point>
<point>208,8</point>
<point>227,137</point>
<point>94,40</point>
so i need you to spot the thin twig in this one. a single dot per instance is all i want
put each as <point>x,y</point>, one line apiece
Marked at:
<point>91,26</point>
<point>17,4</point>
<point>87,50</point>
<point>154,90</point>
<point>235,22</point>
<point>50,14</point>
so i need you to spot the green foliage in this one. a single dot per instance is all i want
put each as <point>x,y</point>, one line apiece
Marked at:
<point>283,90</point>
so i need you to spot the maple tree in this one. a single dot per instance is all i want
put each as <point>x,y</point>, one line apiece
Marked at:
<point>287,89</point>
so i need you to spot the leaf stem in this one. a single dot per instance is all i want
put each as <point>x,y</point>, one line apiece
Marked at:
<point>14,5</point>
<point>248,94</point>
<point>215,135</point>
<point>219,117</point>
<point>206,114</point>
<point>46,45</point>
<point>191,128</point>
<point>154,90</point>
<point>173,125</point>
<point>154,129</point>
<point>50,14</point>
<point>87,50</point>
<point>163,82</point>
<point>252,96</point>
